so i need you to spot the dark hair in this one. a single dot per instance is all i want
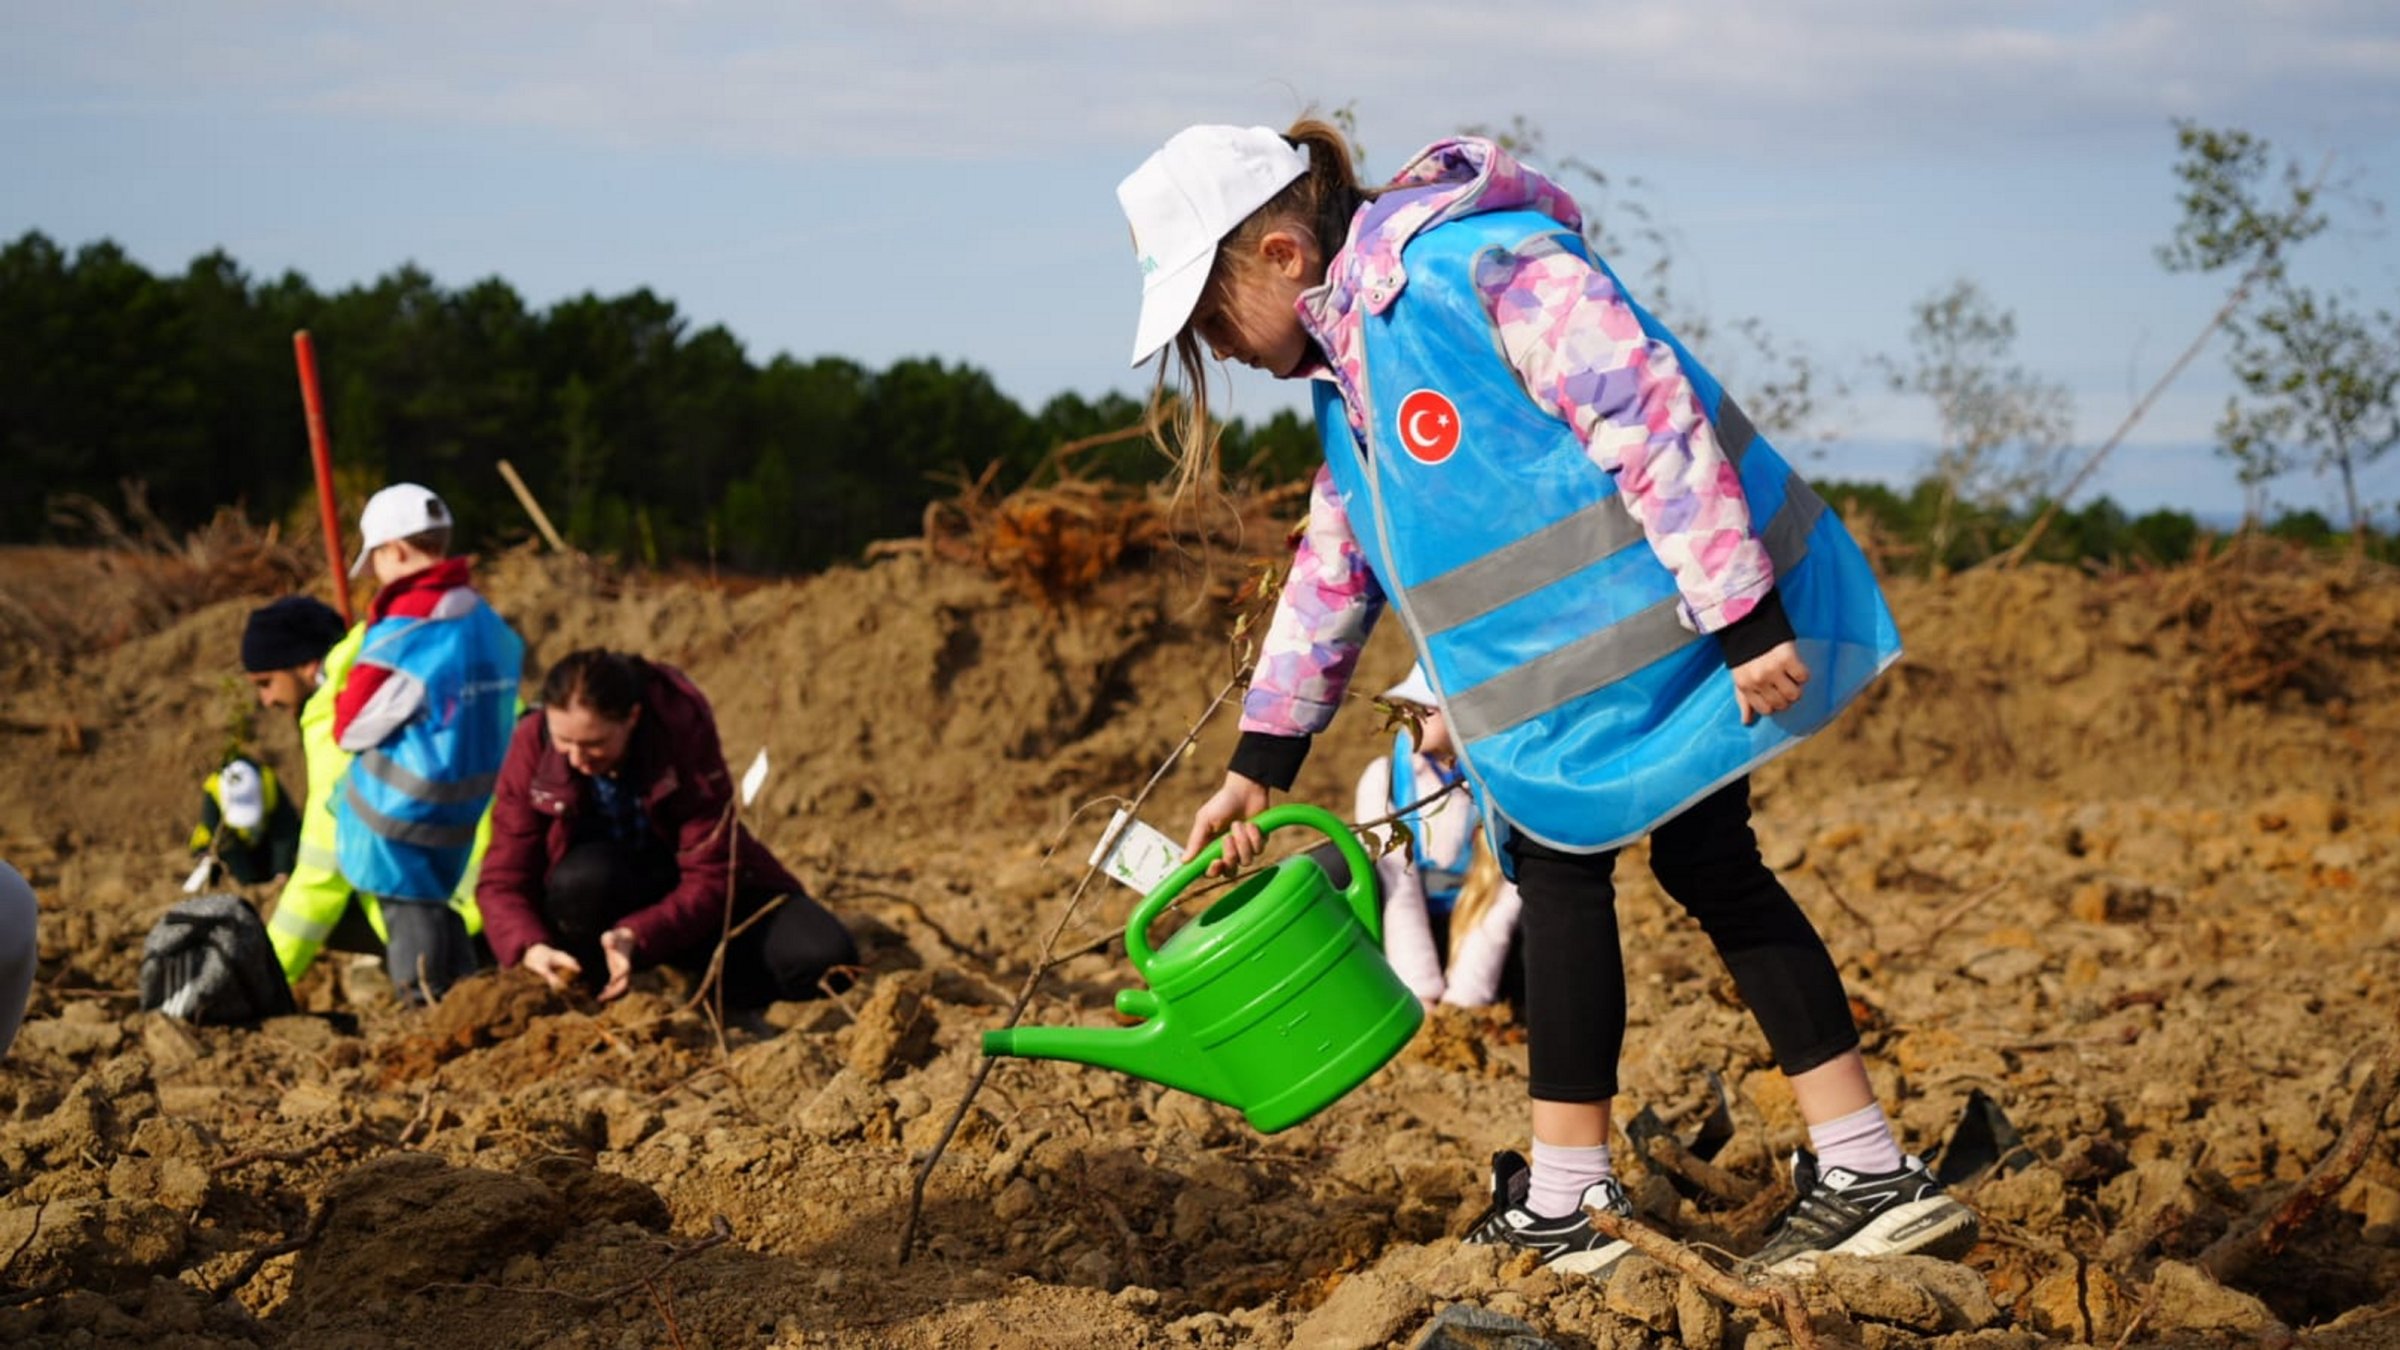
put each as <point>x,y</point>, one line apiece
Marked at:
<point>609,683</point>
<point>1321,202</point>
<point>434,542</point>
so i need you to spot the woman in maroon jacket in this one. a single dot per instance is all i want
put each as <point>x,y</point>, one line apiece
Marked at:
<point>608,849</point>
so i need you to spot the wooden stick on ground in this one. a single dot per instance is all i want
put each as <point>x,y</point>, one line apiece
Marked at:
<point>1779,1297</point>
<point>2264,1230</point>
<point>1668,1154</point>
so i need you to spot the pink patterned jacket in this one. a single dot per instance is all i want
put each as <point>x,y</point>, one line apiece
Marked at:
<point>1580,352</point>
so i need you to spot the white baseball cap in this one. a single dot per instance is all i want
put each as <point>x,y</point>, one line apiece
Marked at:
<point>396,513</point>
<point>242,795</point>
<point>1413,688</point>
<point>1183,201</point>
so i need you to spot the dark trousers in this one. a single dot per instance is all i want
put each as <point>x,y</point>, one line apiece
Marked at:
<point>781,958</point>
<point>1707,861</point>
<point>428,952</point>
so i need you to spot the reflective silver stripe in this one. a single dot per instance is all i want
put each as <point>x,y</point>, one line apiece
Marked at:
<point>1786,536</point>
<point>319,856</point>
<point>1524,566</point>
<point>1734,432</point>
<point>1602,658</point>
<point>409,832</point>
<point>398,775</point>
<point>293,926</point>
<point>1559,549</point>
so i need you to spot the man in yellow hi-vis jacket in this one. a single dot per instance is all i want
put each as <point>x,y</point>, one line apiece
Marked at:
<point>295,652</point>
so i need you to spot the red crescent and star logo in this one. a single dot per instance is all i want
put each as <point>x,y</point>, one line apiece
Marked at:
<point>1428,426</point>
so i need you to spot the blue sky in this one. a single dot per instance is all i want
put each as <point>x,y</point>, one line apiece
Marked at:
<point>936,176</point>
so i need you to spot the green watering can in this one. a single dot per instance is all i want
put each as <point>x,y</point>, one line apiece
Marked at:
<point>1276,1001</point>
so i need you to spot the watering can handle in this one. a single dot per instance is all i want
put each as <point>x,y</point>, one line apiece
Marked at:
<point>1361,893</point>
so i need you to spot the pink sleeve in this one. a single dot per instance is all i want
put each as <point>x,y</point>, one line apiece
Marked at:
<point>1329,604</point>
<point>1581,353</point>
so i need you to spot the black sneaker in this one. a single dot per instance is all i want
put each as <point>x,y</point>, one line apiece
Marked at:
<point>1569,1243</point>
<point>1884,1214</point>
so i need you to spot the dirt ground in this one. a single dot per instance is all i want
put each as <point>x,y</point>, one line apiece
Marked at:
<point>2113,852</point>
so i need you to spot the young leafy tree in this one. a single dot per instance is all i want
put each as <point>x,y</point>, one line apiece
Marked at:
<point>2241,210</point>
<point>2003,429</point>
<point>2322,387</point>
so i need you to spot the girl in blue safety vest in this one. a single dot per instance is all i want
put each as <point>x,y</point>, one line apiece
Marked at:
<point>1623,599</point>
<point>1449,919</point>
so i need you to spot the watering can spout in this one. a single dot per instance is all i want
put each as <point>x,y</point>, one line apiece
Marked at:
<point>1147,1051</point>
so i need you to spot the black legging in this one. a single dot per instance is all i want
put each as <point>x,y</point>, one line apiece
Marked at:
<point>1707,860</point>
<point>781,958</point>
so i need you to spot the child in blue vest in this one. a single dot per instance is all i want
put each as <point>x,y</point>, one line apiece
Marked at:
<point>1624,602</point>
<point>427,709</point>
<point>1449,918</point>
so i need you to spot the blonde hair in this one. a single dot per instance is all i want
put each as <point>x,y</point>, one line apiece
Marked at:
<point>1475,895</point>
<point>1320,203</point>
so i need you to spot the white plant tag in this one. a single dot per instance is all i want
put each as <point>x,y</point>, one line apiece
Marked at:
<point>1136,854</point>
<point>200,877</point>
<point>754,777</point>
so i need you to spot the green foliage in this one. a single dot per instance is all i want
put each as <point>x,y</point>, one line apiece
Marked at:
<point>2321,387</point>
<point>2227,218</point>
<point>1899,526</point>
<point>2320,382</point>
<point>2003,429</point>
<point>639,435</point>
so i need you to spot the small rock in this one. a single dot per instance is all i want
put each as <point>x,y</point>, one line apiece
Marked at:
<point>1366,1312</point>
<point>1463,1326</point>
<point>72,1039</point>
<point>2184,1298</point>
<point>2035,1197</point>
<point>850,1107</point>
<point>1019,1199</point>
<point>1699,1322</point>
<point>169,1043</point>
<point>1918,1292</point>
<point>1644,1291</point>
<point>895,1028</point>
<point>1093,1269</point>
<point>310,1101</point>
<point>2090,1309</point>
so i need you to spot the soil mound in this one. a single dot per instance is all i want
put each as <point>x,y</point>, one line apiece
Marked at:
<point>2074,855</point>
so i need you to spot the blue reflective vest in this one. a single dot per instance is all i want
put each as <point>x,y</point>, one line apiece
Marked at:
<point>406,816</point>
<point>1443,878</point>
<point>1585,712</point>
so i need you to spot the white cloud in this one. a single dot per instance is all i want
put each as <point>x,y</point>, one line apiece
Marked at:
<point>967,78</point>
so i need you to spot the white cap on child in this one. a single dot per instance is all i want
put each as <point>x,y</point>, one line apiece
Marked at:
<point>242,796</point>
<point>1413,688</point>
<point>1186,198</point>
<point>401,510</point>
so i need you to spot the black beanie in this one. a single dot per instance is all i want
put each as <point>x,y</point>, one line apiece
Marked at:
<point>291,632</point>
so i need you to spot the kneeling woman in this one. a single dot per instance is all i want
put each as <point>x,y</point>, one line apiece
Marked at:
<point>608,847</point>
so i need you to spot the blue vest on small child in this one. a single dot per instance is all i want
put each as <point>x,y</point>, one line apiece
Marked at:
<point>1442,876</point>
<point>405,819</point>
<point>1585,712</point>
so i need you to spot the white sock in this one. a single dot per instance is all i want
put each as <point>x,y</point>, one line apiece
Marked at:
<point>1561,1175</point>
<point>1860,1142</point>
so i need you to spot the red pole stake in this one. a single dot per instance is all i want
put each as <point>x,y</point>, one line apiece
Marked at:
<point>306,353</point>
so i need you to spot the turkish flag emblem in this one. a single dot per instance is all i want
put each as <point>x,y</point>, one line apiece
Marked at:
<point>1428,426</point>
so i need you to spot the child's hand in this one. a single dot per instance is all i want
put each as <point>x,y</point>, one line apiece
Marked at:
<point>1769,683</point>
<point>1230,812</point>
<point>554,966</point>
<point>616,946</point>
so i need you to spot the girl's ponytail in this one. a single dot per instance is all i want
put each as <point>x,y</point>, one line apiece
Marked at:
<point>1328,195</point>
